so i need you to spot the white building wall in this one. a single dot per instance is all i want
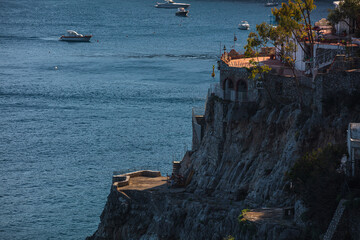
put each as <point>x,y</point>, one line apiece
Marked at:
<point>299,59</point>
<point>341,26</point>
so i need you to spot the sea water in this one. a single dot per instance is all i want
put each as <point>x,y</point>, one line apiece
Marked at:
<point>72,113</point>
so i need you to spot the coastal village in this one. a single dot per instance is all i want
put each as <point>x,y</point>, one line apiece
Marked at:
<point>291,104</point>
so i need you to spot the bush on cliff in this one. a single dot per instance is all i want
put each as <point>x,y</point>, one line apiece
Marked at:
<point>245,225</point>
<point>317,181</point>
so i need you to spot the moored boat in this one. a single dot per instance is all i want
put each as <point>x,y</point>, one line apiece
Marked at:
<point>182,12</point>
<point>271,4</point>
<point>72,36</point>
<point>172,4</point>
<point>244,25</point>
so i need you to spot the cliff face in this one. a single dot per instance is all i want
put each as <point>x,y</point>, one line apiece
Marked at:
<point>241,163</point>
<point>246,159</point>
<point>245,156</point>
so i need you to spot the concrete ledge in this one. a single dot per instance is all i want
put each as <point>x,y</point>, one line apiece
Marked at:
<point>123,179</point>
<point>118,178</point>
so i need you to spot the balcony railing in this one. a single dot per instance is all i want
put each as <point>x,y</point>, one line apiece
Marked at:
<point>231,95</point>
<point>216,90</point>
<point>327,57</point>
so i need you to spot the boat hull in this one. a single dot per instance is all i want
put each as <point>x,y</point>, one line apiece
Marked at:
<point>75,39</point>
<point>182,14</point>
<point>271,4</point>
<point>244,27</point>
<point>177,5</point>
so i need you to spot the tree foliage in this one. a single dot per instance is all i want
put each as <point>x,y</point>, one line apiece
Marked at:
<point>293,30</point>
<point>318,183</point>
<point>347,11</point>
<point>294,19</point>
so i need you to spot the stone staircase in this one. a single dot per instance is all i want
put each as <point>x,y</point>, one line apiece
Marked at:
<point>335,221</point>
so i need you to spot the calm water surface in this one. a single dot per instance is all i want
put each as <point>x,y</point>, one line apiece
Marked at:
<point>72,113</point>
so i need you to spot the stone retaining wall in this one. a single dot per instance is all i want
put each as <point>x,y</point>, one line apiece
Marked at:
<point>331,84</point>
<point>284,89</point>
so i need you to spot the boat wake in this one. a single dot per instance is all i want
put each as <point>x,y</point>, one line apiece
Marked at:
<point>180,56</point>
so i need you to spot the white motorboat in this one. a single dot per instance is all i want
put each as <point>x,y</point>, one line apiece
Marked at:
<point>244,25</point>
<point>73,36</point>
<point>271,4</point>
<point>182,12</point>
<point>172,4</point>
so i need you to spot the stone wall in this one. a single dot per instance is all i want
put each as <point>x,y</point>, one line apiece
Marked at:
<point>327,85</point>
<point>282,89</point>
<point>287,90</point>
<point>330,84</point>
<point>238,76</point>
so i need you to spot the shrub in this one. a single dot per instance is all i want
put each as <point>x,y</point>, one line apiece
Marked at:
<point>318,183</point>
<point>245,225</point>
<point>229,238</point>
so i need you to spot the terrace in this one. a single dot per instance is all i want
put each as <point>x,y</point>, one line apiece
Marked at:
<point>267,57</point>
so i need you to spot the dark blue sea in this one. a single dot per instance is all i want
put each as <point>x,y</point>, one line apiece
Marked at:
<point>72,113</point>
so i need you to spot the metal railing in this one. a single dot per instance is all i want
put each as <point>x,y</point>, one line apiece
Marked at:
<point>327,57</point>
<point>231,95</point>
<point>216,90</point>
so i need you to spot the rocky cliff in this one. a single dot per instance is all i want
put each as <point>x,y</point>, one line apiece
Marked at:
<point>241,163</point>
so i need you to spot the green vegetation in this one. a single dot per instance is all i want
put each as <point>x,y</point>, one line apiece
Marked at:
<point>347,12</point>
<point>245,225</point>
<point>229,238</point>
<point>293,30</point>
<point>241,217</point>
<point>318,183</point>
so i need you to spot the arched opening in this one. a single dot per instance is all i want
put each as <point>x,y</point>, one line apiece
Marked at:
<point>228,88</point>
<point>241,90</point>
<point>241,86</point>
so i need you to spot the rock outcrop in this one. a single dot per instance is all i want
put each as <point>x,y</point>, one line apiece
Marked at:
<point>241,163</point>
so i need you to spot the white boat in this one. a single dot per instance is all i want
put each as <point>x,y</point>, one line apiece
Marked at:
<point>182,12</point>
<point>73,36</point>
<point>271,4</point>
<point>244,25</point>
<point>172,4</point>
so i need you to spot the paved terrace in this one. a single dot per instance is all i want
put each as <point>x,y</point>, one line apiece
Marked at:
<point>279,67</point>
<point>143,181</point>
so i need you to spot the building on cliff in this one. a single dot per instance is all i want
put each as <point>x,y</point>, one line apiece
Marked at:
<point>282,83</point>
